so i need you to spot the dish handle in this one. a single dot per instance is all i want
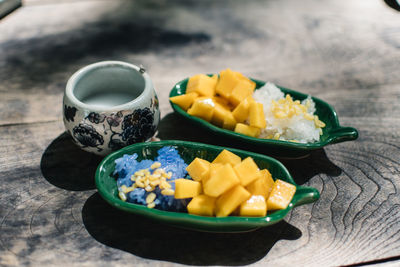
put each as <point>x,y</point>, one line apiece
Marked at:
<point>305,195</point>
<point>342,134</point>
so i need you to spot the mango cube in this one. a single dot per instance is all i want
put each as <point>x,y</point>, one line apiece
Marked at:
<point>220,112</point>
<point>227,81</point>
<point>244,78</point>
<point>241,112</point>
<point>226,156</point>
<point>199,169</point>
<point>261,186</point>
<point>192,82</point>
<point>242,90</point>
<point>220,181</point>
<point>213,168</point>
<point>256,115</point>
<point>230,200</point>
<point>229,122</point>
<point>281,195</point>
<point>247,171</point>
<point>202,205</point>
<point>185,188</point>
<point>202,108</point>
<point>222,101</point>
<point>202,84</point>
<point>184,101</point>
<point>255,206</point>
<point>247,130</point>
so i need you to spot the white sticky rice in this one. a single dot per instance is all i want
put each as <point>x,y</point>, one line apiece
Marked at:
<point>296,128</point>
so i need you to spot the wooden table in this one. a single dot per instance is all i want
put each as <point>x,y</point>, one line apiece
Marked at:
<point>345,52</point>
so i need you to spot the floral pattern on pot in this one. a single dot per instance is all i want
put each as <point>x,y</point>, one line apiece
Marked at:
<point>87,136</point>
<point>138,126</point>
<point>116,128</point>
<point>114,119</point>
<point>69,112</point>
<point>95,117</point>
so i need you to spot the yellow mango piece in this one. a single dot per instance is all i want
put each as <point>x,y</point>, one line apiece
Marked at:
<point>256,115</point>
<point>247,130</point>
<point>202,108</point>
<point>213,168</point>
<point>202,205</point>
<point>199,169</point>
<point>242,90</point>
<point>247,171</point>
<point>219,114</point>
<point>229,122</point>
<point>226,156</point>
<point>242,77</point>
<point>255,206</point>
<point>184,101</point>
<point>205,98</point>
<point>263,185</point>
<point>192,83</point>
<point>202,84</point>
<point>220,181</point>
<point>227,81</point>
<point>185,188</point>
<point>222,101</point>
<point>281,195</point>
<point>230,200</point>
<point>241,112</point>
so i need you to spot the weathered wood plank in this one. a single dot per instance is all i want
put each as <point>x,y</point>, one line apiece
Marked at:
<point>37,59</point>
<point>45,174</point>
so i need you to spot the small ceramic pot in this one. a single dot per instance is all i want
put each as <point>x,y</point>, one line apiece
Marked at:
<point>109,105</point>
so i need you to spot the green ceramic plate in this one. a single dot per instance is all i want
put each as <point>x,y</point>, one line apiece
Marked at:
<point>332,133</point>
<point>107,187</point>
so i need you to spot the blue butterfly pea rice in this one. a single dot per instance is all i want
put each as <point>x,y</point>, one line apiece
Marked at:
<point>171,163</point>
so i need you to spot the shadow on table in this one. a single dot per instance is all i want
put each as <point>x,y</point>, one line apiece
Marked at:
<point>173,127</point>
<point>114,35</point>
<point>152,240</point>
<point>66,166</point>
<point>316,163</point>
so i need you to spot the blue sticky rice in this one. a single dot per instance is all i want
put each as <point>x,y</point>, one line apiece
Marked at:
<point>168,156</point>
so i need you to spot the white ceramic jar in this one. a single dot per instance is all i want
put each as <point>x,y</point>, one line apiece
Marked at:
<point>109,105</point>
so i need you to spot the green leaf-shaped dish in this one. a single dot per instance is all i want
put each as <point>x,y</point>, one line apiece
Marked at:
<point>332,132</point>
<point>107,187</point>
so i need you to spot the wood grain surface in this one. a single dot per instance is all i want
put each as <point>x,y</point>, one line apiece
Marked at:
<point>345,52</point>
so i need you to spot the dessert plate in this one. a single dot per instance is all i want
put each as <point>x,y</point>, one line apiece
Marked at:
<point>107,187</point>
<point>333,132</point>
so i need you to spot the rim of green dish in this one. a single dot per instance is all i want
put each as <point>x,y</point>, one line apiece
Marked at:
<point>303,194</point>
<point>336,134</point>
